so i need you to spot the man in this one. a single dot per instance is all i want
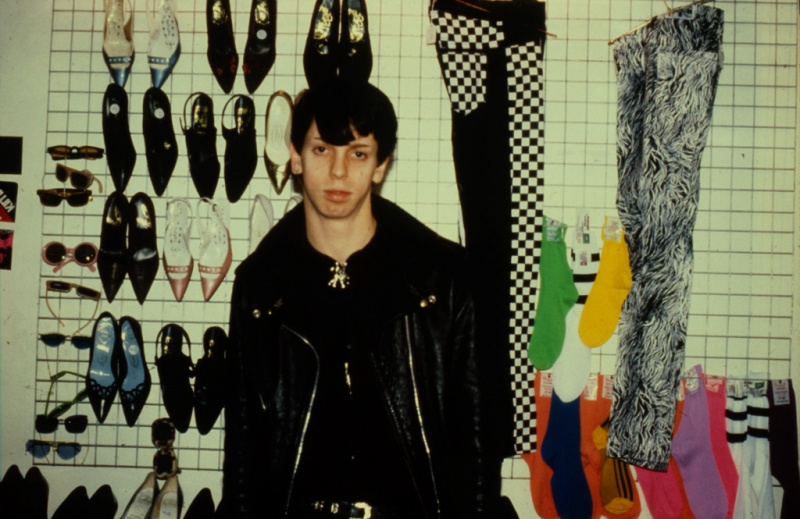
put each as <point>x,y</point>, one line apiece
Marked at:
<point>352,374</point>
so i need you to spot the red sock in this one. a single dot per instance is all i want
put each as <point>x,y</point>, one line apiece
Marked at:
<point>541,474</point>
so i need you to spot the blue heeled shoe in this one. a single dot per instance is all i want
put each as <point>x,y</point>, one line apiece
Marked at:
<point>102,376</point>
<point>135,385</point>
<point>165,44</point>
<point>118,51</point>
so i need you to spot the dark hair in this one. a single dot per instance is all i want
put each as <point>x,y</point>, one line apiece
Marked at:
<point>340,107</point>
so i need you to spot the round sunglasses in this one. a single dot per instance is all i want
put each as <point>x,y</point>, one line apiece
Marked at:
<point>57,254</point>
<point>41,448</point>
<point>81,179</point>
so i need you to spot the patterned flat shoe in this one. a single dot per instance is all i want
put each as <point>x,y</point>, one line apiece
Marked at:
<point>165,43</point>
<point>118,51</point>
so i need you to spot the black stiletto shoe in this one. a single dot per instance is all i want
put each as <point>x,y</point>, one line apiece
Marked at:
<point>174,370</point>
<point>103,504</point>
<point>201,144</point>
<point>142,247</point>
<point>221,52</point>
<point>112,256</point>
<point>161,149</point>
<point>120,153</point>
<point>259,51</point>
<point>241,156</point>
<point>134,386</point>
<point>102,377</point>
<point>76,504</point>
<point>202,506</point>
<point>320,54</point>
<point>209,382</point>
<point>355,58</point>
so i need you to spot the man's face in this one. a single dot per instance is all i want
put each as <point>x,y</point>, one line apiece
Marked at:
<point>337,180</point>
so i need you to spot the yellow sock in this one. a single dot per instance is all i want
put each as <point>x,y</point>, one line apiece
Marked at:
<point>604,304</point>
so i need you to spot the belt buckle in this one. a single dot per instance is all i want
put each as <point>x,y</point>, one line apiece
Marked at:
<point>361,505</point>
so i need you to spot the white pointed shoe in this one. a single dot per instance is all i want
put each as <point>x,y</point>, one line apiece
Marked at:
<point>141,504</point>
<point>165,42</point>
<point>169,502</point>
<point>261,220</point>
<point>118,51</point>
<point>177,257</point>
<point>215,245</point>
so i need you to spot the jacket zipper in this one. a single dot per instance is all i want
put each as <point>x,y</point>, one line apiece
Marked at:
<point>419,414</point>
<point>305,425</point>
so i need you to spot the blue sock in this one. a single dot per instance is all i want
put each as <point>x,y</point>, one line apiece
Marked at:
<point>562,453</point>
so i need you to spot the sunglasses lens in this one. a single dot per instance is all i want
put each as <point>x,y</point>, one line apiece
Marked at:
<point>76,424</point>
<point>90,152</point>
<point>82,342</point>
<point>53,339</point>
<point>85,254</point>
<point>58,152</point>
<point>81,180</point>
<point>67,451</point>
<point>78,199</point>
<point>37,449</point>
<point>88,293</point>
<point>62,173</point>
<point>46,423</point>
<point>48,199</point>
<point>55,253</point>
<point>58,286</point>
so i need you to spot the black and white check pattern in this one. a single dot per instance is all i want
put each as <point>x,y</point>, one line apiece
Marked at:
<point>455,32</point>
<point>466,80</point>
<point>524,66</point>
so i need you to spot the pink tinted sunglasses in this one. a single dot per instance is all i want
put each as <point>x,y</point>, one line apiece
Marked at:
<point>57,254</point>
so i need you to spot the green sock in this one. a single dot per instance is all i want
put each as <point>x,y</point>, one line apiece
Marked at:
<point>557,294</point>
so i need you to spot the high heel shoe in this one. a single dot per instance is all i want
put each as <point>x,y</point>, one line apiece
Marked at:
<point>202,506</point>
<point>142,246</point>
<point>355,58</point>
<point>118,51</point>
<point>201,144</point>
<point>215,247</point>
<point>178,261</point>
<point>135,377</point>
<point>165,43</point>
<point>76,504</point>
<point>141,504</point>
<point>259,51</point>
<point>175,369</point>
<point>102,380</point>
<point>161,148</point>
<point>209,381</point>
<point>103,504</point>
<point>221,53</point>
<point>120,153</point>
<point>277,139</point>
<point>112,256</point>
<point>261,220</point>
<point>320,54</point>
<point>169,502</point>
<point>240,146</point>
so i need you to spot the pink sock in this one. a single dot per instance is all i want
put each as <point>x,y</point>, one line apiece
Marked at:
<point>715,392</point>
<point>661,492</point>
<point>693,453</point>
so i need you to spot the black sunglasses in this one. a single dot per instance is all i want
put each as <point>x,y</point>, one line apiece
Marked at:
<point>54,340</point>
<point>47,423</point>
<point>81,179</point>
<point>41,448</point>
<point>74,197</point>
<point>75,152</point>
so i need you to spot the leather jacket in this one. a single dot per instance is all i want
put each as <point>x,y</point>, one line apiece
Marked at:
<point>425,362</point>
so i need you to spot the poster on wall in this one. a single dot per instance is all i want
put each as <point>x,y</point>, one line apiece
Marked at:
<point>6,242</point>
<point>11,155</point>
<point>8,201</point>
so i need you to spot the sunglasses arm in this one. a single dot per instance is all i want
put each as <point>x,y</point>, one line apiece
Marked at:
<point>91,319</point>
<point>47,300</point>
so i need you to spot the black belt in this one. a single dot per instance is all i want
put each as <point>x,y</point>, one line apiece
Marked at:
<point>358,510</point>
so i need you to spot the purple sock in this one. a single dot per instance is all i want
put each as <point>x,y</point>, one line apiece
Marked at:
<point>694,454</point>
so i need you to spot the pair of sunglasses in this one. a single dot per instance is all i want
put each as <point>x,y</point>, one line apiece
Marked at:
<point>57,254</point>
<point>63,151</point>
<point>63,287</point>
<point>47,423</point>
<point>74,197</point>
<point>41,448</point>
<point>165,463</point>
<point>54,340</point>
<point>80,179</point>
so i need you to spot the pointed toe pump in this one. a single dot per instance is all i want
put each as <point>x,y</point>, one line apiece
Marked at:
<point>215,246</point>
<point>201,144</point>
<point>169,502</point>
<point>202,506</point>
<point>120,153</point>
<point>178,261</point>
<point>102,377</point>
<point>165,43</point>
<point>221,53</point>
<point>142,245</point>
<point>141,503</point>
<point>320,53</point>
<point>259,51</point>
<point>118,50</point>
<point>209,382</point>
<point>277,139</point>
<point>112,255</point>
<point>262,217</point>
<point>161,148</point>
<point>175,369</point>
<point>241,156</point>
<point>135,385</point>
<point>355,49</point>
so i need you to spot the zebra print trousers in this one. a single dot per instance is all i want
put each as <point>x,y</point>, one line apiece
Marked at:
<point>667,75</point>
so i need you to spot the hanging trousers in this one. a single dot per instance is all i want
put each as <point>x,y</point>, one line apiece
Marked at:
<point>667,76</point>
<point>491,57</point>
